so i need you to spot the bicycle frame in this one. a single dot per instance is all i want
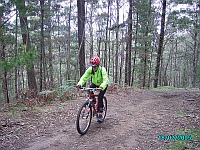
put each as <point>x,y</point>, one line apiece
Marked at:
<point>91,95</point>
<point>94,106</point>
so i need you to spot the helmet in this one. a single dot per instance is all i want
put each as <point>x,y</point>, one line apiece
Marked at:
<point>95,61</point>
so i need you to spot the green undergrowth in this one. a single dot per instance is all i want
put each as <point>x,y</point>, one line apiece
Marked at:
<point>190,144</point>
<point>164,88</point>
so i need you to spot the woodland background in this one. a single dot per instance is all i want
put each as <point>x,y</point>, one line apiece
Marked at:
<point>46,44</point>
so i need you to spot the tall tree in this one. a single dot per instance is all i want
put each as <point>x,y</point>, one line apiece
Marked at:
<point>81,35</point>
<point>107,41</point>
<point>16,52</point>
<point>50,45</point>
<point>135,51</point>
<point>42,45</point>
<point>117,43</point>
<point>129,45</point>
<point>160,47</point>
<point>90,24</point>
<point>3,71</point>
<point>147,43</point>
<point>69,41</point>
<point>26,41</point>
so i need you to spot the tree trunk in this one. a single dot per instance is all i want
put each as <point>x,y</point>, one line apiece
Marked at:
<point>150,68</point>
<point>107,40</point>
<point>59,47</point>
<point>194,62</point>
<point>117,44</point>
<point>160,43</point>
<point>135,52</point>
<point>175,67</point>
<point>146,46</point>
<point>26,41</point>
<point>165,79</point>
<point>113,61</point>
<point>126,63</point>
<point>198,47</point>
<point>130,30</point>
<point>16,52</point>
<point>99,46</point>
<point>121,63</point>
<point>50,47</point>
<point>81,34</point>
<point>91,31</point>
<point>68,44</point>
<point>42,44</point>
<point>129,46</point>
<point>145,67</point>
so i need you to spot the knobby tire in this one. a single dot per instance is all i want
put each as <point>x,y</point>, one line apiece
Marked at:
<point>104,107</point>
<point>85,117</point>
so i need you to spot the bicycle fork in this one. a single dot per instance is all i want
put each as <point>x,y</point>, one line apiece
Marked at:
<point>92,104</point>
<point>85,113</point>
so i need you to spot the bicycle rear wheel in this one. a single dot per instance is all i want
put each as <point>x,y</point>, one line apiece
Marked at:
<point>84,118</point>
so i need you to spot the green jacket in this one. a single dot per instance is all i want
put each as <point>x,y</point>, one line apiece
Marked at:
<point>99,78</point>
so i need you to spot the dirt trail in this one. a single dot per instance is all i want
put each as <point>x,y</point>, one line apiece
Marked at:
<point>134,120</point>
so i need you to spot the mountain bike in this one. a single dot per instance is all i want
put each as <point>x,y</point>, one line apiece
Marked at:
<point>89,109</point>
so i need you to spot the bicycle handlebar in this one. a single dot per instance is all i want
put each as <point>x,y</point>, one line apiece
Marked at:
<point>90,89</point>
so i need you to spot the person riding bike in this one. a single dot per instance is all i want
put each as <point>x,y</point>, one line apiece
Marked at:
<point>99,79</point>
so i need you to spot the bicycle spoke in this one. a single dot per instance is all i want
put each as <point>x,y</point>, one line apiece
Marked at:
<point>84,118</point>
<point>104,107</point>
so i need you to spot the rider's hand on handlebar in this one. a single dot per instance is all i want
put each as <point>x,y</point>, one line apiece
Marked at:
<point>78,86</point>
<point>100,89</point>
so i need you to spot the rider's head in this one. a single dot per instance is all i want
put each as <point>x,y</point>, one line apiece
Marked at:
<point>94,62</point>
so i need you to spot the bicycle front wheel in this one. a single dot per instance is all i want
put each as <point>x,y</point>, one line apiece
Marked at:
<point>84,118</point>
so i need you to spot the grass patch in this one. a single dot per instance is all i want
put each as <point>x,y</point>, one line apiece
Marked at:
<point>184,143</point>
<point>181,114</point>
<point>38,108</point>
<point>23,107</point>
<point>195,133</point>
<point>19,132</point>
<point>178,145</point>
<point>164,88</point>
<point>14,113</point>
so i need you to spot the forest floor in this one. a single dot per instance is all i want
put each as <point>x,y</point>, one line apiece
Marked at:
<point>136,120</point>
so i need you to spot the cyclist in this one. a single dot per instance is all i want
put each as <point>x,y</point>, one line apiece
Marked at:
<point>99,79</point>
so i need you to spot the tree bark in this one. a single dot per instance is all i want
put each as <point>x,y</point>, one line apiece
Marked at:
<point>107,39</point>
<point>160,47</point>
<point>146,46</point>
<point>81,35</point>
<point>50,47</point>
<point>126,63</point>
<point>130,30</point>
<point>68,43</point>
<point>117,44</point>
<point>135,51</point>
<point>42,44</point>
<point>16,52</point>
<point>91,30</point>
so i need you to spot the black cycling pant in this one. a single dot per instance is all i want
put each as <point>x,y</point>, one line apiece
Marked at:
<point>100,97</point>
